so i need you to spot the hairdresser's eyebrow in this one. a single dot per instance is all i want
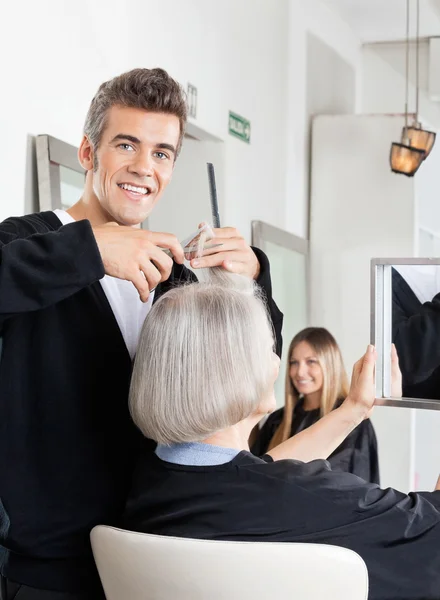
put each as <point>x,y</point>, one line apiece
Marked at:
<point>169,147</point>
<point>131,138</point>
<point>126,136</point>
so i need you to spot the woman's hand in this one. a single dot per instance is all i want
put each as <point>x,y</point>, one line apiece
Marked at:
<point>362,392</point>
<point>396,375</point>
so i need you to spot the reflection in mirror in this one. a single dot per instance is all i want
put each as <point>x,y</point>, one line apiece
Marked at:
<point>416,328</point>
<point>60,176</point>
<point>406,312</point>
<point>289,270</point>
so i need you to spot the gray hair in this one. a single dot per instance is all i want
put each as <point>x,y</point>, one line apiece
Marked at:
<point>204,360</point>
<point>150,89</point>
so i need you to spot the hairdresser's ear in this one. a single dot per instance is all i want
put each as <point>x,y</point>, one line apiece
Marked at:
<point>86,154</point>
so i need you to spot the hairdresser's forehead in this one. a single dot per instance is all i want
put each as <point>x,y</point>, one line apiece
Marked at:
<point>147,126</point>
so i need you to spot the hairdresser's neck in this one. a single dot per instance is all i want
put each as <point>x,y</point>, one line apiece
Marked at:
<point>235,437</point>
<point>89,208</point>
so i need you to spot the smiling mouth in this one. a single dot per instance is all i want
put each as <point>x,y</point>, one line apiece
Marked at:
<point>135,189</point>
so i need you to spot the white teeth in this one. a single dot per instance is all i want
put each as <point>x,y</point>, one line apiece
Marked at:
<point>132,188</point>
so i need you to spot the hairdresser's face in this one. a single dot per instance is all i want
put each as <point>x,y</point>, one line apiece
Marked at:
<point>134,162</point>
<point>305,370</point>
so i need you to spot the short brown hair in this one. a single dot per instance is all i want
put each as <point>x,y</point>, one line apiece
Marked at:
<point>149,89</point>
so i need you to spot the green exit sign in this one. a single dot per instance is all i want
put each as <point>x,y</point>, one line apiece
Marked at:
<point>239,127</point>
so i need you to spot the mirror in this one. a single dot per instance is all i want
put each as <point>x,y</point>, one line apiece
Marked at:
<point>406,312</point>
<point>60,176</point>
<point>288,256</point>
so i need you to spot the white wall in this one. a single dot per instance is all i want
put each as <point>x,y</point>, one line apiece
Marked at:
<point>55,53</point>
<point>249,56</point>
<point>360,210</point>
<point>383,91</point>
<point>309,17</point>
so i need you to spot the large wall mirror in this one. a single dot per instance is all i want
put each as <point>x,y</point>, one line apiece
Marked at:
<point>288,256</point>
<point>60,176</point>
<point>406,312</point>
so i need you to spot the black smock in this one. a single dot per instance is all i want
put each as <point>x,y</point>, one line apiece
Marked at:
<point>357,454</point>
<point>256,500</point>
<point>68,445</point>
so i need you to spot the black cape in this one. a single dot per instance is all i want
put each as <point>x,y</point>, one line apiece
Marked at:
<point>416,334</point>
<point>357,454</point>
<point>249,499</point>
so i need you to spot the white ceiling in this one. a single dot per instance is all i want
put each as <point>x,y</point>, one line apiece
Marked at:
<point>385,20</point>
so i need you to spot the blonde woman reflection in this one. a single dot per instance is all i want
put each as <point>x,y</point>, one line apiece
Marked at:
<point>316,383</point>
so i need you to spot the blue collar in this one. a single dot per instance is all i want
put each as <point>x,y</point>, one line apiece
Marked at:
<point>196,454</point>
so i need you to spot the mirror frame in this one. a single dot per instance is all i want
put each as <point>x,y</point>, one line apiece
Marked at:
<point>51,154</point>
<point>381,326</point>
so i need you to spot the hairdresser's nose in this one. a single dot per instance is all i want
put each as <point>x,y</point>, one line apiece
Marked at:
<point>142,165</point>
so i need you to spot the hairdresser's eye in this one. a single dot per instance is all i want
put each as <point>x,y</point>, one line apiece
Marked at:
<point>293,363</point>
<point>161,155</point>
<point>126,147</point>
<point>312,361</point>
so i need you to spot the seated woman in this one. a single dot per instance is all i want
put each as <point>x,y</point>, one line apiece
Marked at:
<point>316,383</point>
<point>208,382</point>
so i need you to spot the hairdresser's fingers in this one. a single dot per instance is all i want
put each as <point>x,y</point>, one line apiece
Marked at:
<point>226,232</point>
<point>140,282</point>
<point>225,245</point>
<point>162,262</point>
<point>235,267</point>
<point>245,264</point>
<point>152,275</point>
<point>213,260</point>
<point>169,242</point>
<point>158,266</point>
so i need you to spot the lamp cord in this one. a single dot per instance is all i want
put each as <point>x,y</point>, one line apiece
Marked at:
<point>417,61</point>
<point>407,66</point>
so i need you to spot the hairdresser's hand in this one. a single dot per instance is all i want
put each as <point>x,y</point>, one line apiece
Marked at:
<point>360,399</point>
<point>136,255</point>
<point>396,375</point>
<point>234,255</point>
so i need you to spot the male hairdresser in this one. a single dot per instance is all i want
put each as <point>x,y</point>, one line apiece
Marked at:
<point>74,292</point>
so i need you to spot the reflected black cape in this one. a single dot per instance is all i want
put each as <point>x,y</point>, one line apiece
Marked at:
<point>416,334</point>
<point>357,454</point>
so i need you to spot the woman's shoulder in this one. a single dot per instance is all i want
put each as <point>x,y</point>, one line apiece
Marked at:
<point>267,431</point>
<point>275,418</point>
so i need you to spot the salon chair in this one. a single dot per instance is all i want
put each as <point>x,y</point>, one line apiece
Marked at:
<point>138,566</point>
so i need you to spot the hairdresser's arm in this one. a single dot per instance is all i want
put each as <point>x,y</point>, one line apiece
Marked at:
<point>322,438</point>
<point>265,283</point>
